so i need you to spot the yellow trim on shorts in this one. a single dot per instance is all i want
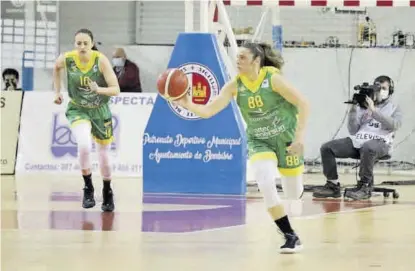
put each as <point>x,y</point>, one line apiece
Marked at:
<point>263,156</point>
<point>292,172</point>
<point>103,141</point>
<point>77,122</point>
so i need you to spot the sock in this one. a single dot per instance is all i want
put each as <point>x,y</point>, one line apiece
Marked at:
<point>107,185</point>
<point>334,181</point>
<point>284,224</point>
<point>88,181</point>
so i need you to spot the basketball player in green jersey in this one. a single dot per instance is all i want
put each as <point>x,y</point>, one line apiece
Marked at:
<point>90,83</point>
<point>275,114</point>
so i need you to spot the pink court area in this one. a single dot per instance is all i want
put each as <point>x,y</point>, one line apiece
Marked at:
<point>45,228</point>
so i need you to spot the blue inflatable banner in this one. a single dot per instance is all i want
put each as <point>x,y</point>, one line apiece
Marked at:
<point>183,153</point>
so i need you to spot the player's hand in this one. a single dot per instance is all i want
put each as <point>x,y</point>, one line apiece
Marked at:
<point>183,101</point>
<point>296,148</point>
<point>93,86</point>
<point>58,99</point>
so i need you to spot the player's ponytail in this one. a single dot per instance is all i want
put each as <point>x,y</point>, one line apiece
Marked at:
<point>94,48</point>
<point>268,56</point>
<point>271,57</point>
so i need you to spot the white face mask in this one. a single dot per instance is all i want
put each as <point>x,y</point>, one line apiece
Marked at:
<point>384,94</point>
<point>118,62</point>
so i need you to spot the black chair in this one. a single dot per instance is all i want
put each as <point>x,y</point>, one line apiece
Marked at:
<point>385,191</point>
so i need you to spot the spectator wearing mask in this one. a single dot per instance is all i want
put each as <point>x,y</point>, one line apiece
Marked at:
<point>127,72</point>
<point>10,79</point>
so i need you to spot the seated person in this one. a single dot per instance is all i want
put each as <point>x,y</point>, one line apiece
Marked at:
<point>127,72</point>
<point>372,131</point>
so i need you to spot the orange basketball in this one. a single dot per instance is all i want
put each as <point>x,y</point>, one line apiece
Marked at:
<point>172,84</point>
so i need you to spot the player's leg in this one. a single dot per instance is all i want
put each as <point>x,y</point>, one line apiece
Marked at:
<point>81,129</point>
<point>102,131</point>
<point>291,168</point>
<point>264,164</point>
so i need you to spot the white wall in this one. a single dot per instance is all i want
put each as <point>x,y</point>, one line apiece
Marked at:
<point>159,22</point>
<point>110,21</point>
<point>311,24</point>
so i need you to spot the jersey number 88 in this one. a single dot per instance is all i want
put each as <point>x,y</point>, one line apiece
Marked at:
<point>292,160</point>
<point>255,102</point>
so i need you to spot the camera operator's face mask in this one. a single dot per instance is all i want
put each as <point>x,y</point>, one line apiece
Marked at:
<point>384,92</point>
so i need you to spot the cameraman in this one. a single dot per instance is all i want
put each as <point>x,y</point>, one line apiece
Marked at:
<point>371,135</point>
<point>10,79</point>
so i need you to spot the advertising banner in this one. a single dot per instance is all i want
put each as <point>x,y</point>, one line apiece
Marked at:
<point>48,145</point>
<point>10,118</point>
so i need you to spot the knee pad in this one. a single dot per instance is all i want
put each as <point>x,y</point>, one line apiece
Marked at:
<point>82,133</point>
<point>265,172</point>
<point>84,157</point>
<point>293,187</point>
<point>104,161</point>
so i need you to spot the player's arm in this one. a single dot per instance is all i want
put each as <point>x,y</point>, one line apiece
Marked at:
<point>293,96</point>
<point>218,103</point>
<point>113,88</point>
<point>57,68</point>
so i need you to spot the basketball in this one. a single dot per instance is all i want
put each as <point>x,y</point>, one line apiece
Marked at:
<point>172,84</point>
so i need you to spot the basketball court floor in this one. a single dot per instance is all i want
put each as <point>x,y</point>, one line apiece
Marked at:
<point>44,228</point>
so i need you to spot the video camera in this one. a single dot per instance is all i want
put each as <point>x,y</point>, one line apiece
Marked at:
<point>365,90</point>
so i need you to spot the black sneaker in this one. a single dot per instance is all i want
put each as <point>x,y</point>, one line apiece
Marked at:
<point>88,201</point>
<point>329,190</point>
<point>292,244</point>
<point>362,191</point>
<point>356,188</point>
<point>107,201</point>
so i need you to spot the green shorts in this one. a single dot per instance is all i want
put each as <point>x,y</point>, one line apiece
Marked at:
<point>100,119</point>
<point>275,148</point>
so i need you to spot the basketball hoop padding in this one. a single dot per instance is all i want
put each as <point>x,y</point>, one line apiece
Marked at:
<point>183,153</point>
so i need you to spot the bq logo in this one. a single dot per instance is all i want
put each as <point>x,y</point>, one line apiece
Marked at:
<point>63,141</point>
<point>204,87</point>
